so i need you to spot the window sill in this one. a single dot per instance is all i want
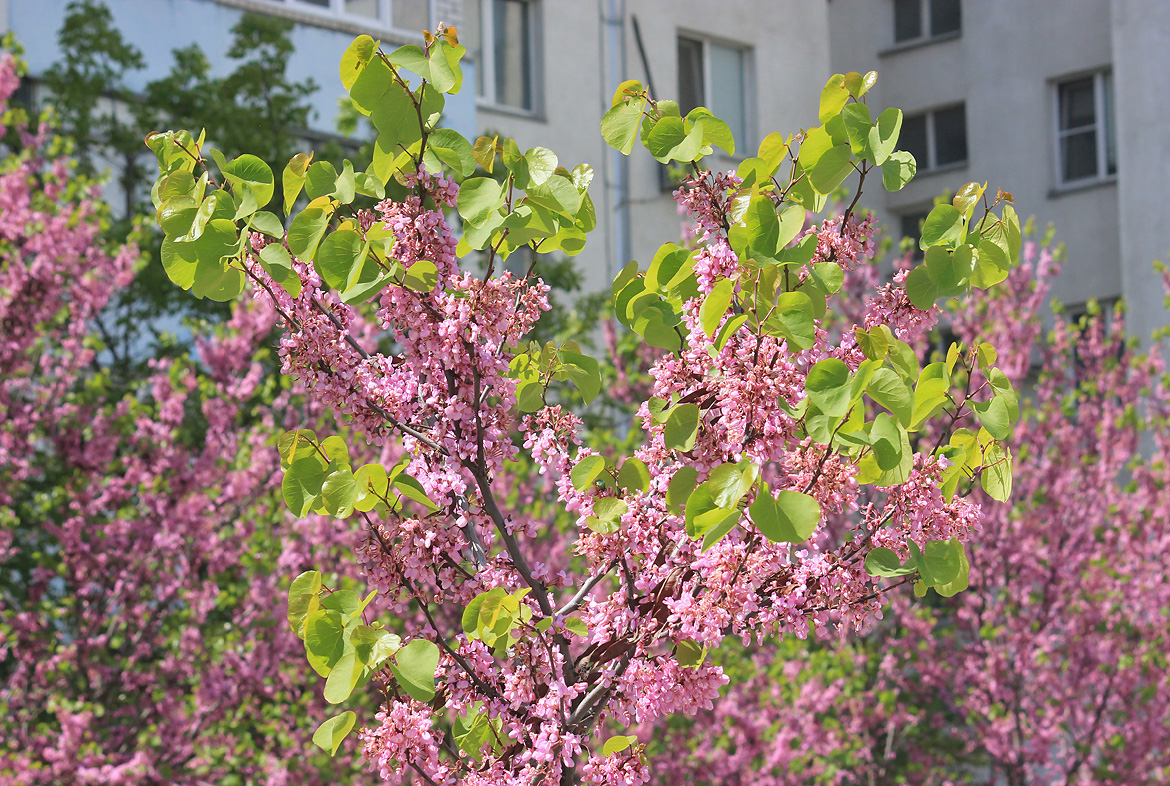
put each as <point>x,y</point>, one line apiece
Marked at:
<point>1083,185</point>
<point>512,111</point>
<point>324,20</point>
<point>941,170</point>
<point>918,43</point>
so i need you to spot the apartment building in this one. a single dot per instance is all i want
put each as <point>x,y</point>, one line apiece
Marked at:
<point>1053,101</point>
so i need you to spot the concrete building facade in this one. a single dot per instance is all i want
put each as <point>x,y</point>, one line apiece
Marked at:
<point>1052,101</point>
<point>540,71</point>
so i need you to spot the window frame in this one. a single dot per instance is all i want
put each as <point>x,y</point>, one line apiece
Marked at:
<point>486,64</point>
<point>336,10</point>
<point>927,22</point>
<point>932,166</point>
<point>1103,125</point>
<point>747,83</point>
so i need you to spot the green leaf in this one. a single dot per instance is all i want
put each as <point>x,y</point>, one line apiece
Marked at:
<point>338,257</point>
<point>453,150</point>
<point>834,95</point>
<point>682,427</point>
<point>939,563</point>
<point>995,416</point>
<point>479,197</point>
<point>357,55</point>
<point>618,744</point>
<point>268,224</point>
<point>961,580</point>
<point>339,493</point>
<point>324,640</point>
<point>689,654</point>
<point>294,178</point>
<point>827,384</point>
<point>884,563</point>
<point>609,510</point>
<point>715,305</point>
<point>586,471</point>
<point>343,677</point>
<point>634,476</point>
<point>831,169</point>
<point>886,439</point>
<point>331,733</point>
<point>898,170</point>
<point>577,627</point>
<point>682,483</point>
<point>302,484</point>
<point>716,132</point>
<point>414,669</point>
<point>421,276</point>
<point>943,225</point>
<point>883,138</point>
<point>893,392</point>
<point>619,126</point>
<point>790,517</point>
<point>306,232</point>
<point>303,588</point>
<point>248,171</point>
<point>584,371</point>
<point>996,477</point>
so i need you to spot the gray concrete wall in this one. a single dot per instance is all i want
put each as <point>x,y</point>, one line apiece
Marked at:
<point>1003,66</point>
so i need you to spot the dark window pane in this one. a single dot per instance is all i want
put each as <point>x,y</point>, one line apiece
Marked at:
<point>944,17</point>
<point>322,3</point>
<point>912,228</point>
<point>913,139</point>
<point>691,90</point>
<point>950,135</point>
<point>1107,121</point>
<point>907,19</point>
<point>513,47</point>
<point>1077,104</point>
<point>1078,153</point>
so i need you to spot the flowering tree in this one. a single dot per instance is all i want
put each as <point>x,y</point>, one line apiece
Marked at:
<point>1051,668</point>
<point>139,519</point>
<point>512,645</point>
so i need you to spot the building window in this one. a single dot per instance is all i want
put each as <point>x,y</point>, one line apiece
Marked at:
<point>715,75</point>
<point>937,138</point>
<point>912,232</point>
<point>1085,145</point>
<point>501,36</point>
<point>405,15</point>
<point>925,19</point>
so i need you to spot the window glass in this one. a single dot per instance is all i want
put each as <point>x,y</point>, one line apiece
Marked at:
<point>320,3</point>
<point>1107,121</point>
<point>366,8</point>
<point>913,139</point>
<point>513,83</point>
<point>410,14</point>
<point>1079,153</point>
<point>1077,104</point>
<point>726,95</point>
<point>912,228</point>
<point>950,135</point>
<point>944,17</point>
<point>907,19</point>
<point>691,87</point>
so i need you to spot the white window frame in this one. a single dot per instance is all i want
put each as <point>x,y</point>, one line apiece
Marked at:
<point>932,165</point>
<point>487,61</point>
<point>748,139</point>
<point>924,34</point>
<point>1101,125</point>
<point>336,10</point>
